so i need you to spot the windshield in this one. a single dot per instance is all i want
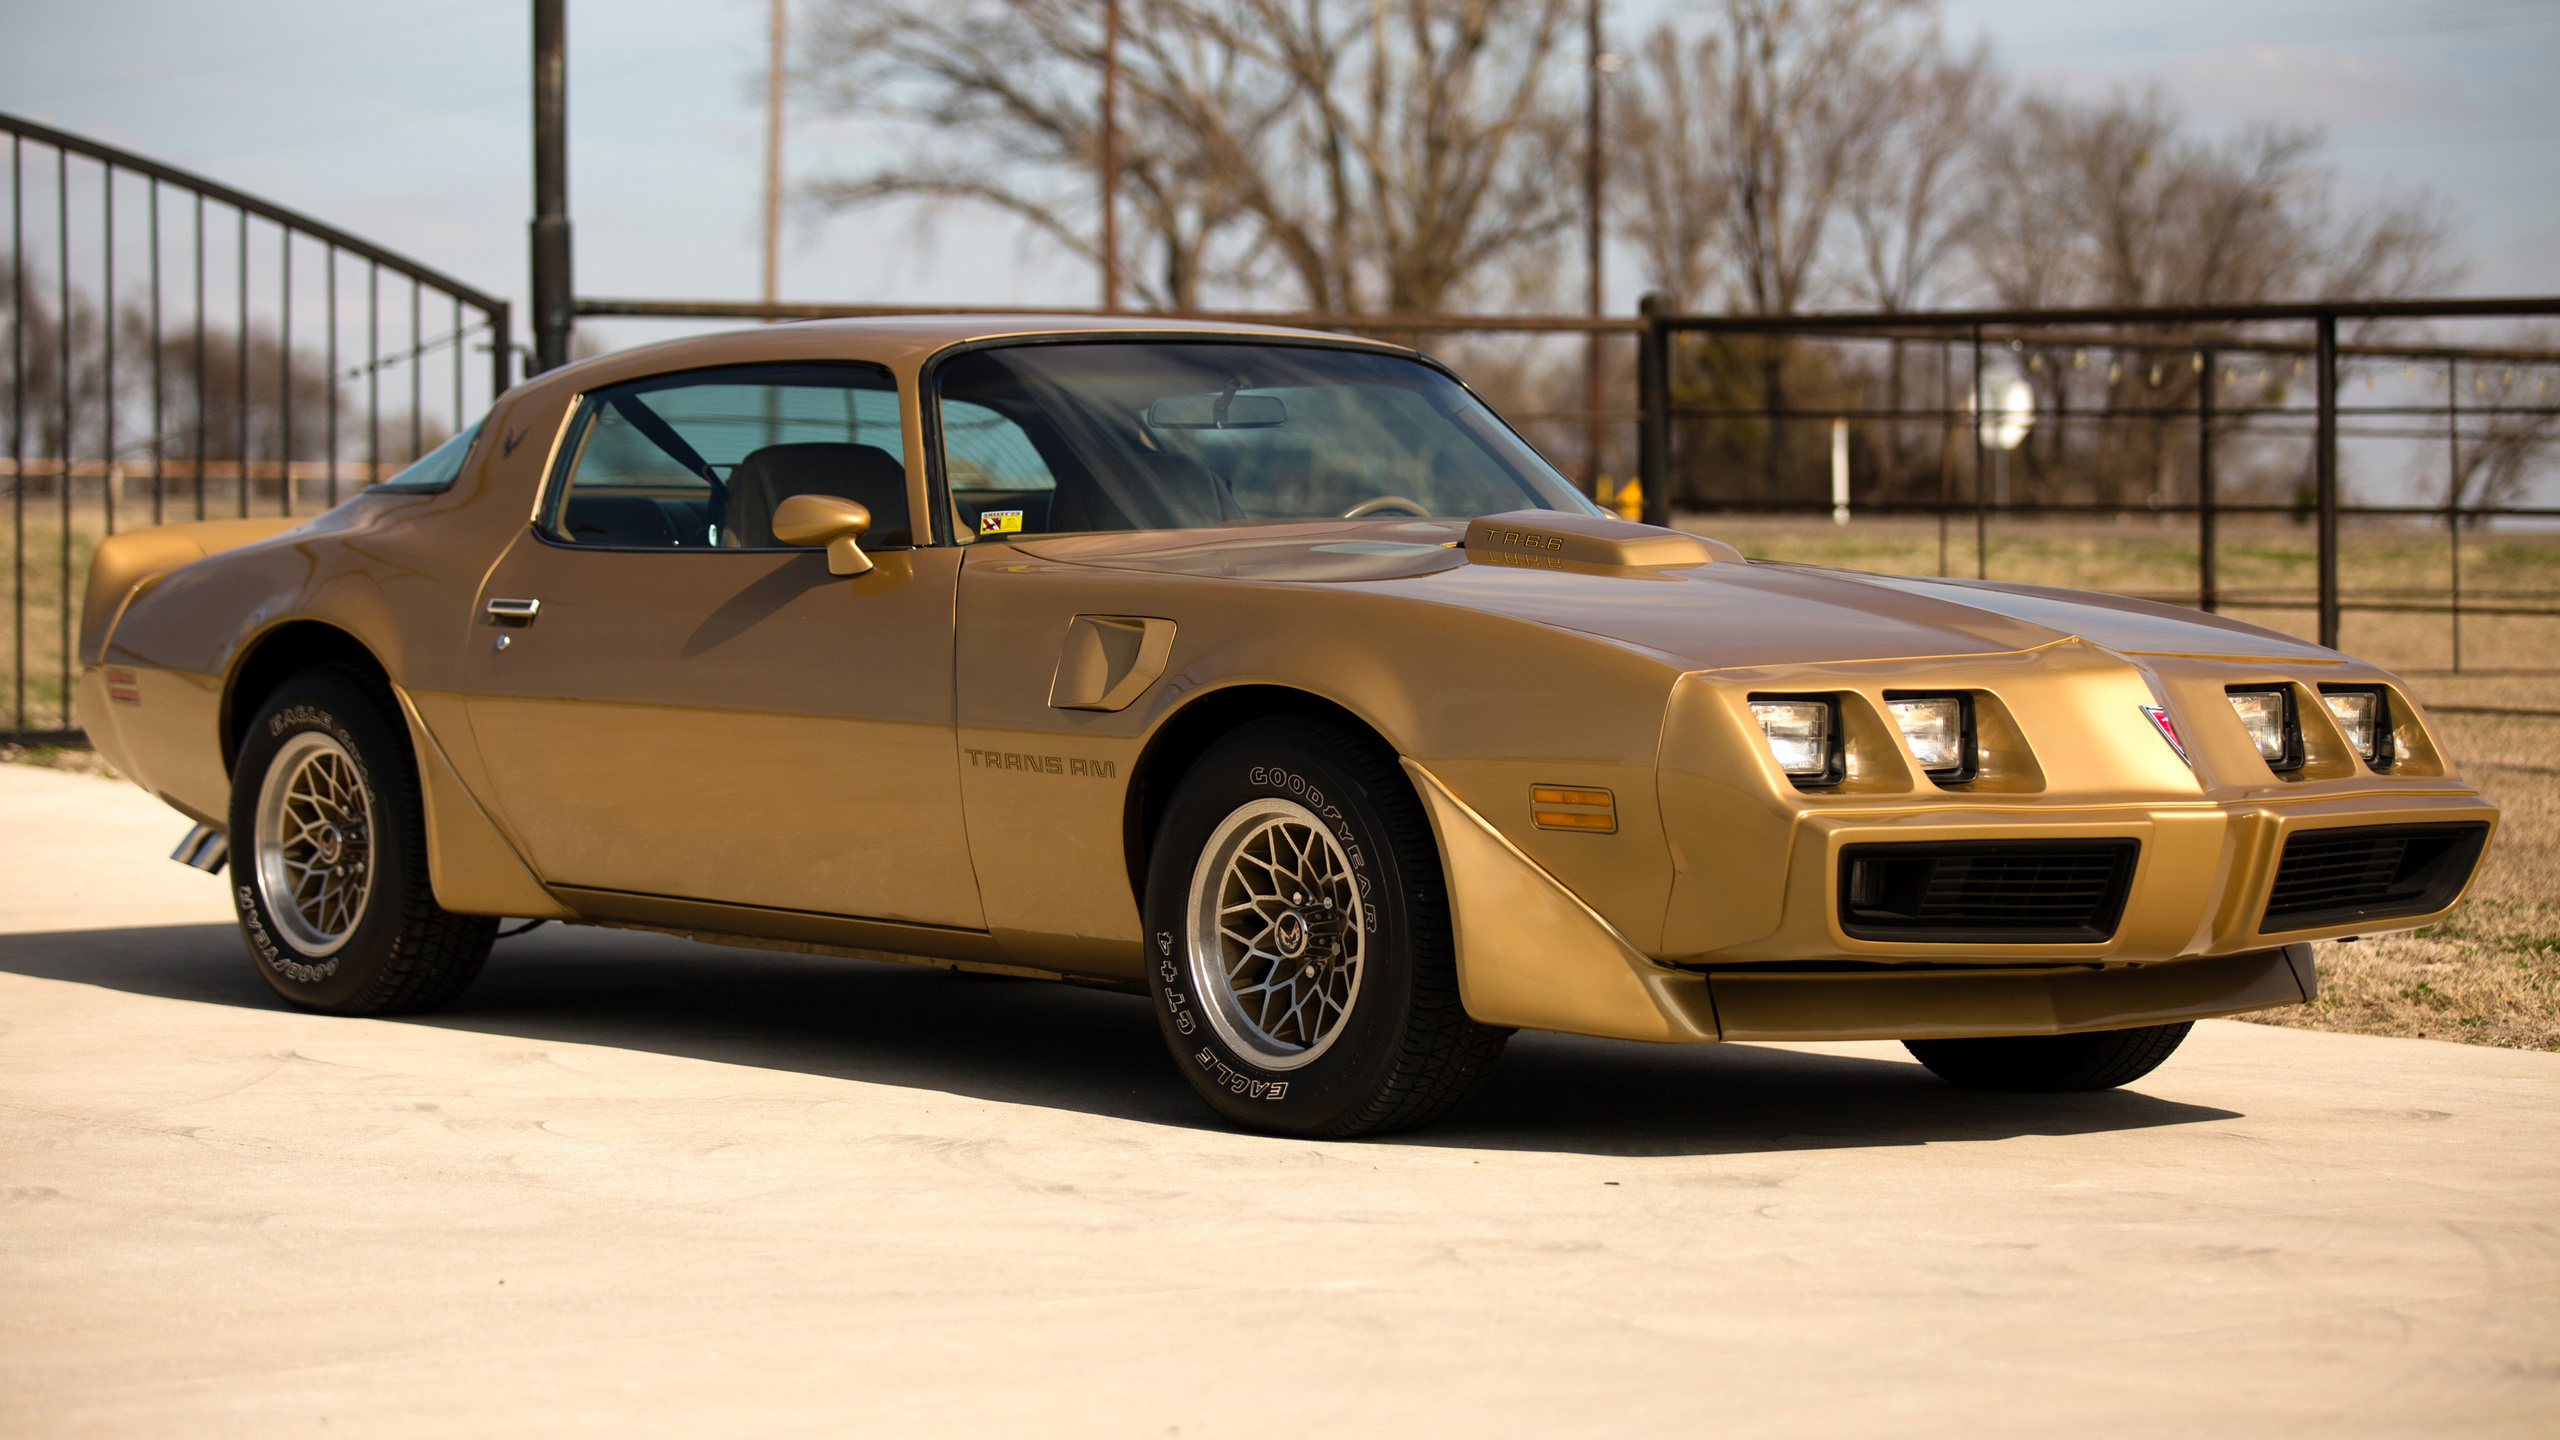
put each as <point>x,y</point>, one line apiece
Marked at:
<point>1047,439</point>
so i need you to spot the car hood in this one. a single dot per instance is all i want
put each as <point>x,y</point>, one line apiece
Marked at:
<point>1717,615</point>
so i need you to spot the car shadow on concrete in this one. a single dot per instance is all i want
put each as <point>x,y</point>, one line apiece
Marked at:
<point>1097,1052</point>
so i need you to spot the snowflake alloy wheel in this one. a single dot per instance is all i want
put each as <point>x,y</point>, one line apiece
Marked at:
<point>1276,947</point>
<point>314,843</point>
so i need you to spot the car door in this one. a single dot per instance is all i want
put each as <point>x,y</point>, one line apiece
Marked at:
<point>669,703</point>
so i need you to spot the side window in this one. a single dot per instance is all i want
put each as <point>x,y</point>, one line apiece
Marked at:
<point>999,483</point>
<point>699,460</point>
<point>438,468</point>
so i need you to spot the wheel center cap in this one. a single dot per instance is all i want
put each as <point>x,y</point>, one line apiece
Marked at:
<point>1289,932</point>
<point>329,843</point>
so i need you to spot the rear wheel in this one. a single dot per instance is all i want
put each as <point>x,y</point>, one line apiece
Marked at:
<point>1298,938</point>
<point>2091,1060</point>
<point>329,856</point>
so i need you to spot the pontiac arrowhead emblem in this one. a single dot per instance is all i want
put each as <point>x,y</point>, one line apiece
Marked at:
<point>2168,729</point>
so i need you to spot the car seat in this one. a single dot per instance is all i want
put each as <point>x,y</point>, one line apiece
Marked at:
<point>865,474</point>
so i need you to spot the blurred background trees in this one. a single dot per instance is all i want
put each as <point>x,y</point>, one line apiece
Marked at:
<point>1324,155</point>
<point>209,393</point>
<point>1765,157</point>
<point>1762,157</point>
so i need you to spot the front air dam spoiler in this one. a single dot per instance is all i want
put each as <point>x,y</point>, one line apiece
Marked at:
<point>1948,1004</point>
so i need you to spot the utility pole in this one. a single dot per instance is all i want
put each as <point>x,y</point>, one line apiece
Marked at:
<point>1110,153</point>
<point>773,155</point>
<point>552,315</point>
<point>1595,432</point>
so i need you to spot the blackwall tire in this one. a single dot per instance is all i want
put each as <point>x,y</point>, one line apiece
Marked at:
<point>2046,1064</point>
<point>1325,1002</point>
<point>329,857</point>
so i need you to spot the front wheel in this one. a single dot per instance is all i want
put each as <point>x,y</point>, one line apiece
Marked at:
<point>1298,938</point>
<point>329,857</point>
<point>2091,1060</point>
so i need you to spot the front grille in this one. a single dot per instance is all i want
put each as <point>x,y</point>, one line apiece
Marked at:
<point>1992,892</point>
<point>2370,872</point>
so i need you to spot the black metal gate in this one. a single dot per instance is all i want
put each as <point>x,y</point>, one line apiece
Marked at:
<point>178,350</point>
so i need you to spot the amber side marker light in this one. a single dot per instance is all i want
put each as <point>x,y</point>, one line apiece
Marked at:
<point>1570,807</point>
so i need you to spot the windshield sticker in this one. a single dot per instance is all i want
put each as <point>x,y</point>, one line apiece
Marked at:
<point>999,522</point>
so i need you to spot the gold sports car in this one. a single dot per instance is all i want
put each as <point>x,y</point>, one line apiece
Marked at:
<point>1264,671</point>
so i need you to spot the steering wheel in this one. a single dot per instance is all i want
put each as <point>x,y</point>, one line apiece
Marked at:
<point>1381,503</point>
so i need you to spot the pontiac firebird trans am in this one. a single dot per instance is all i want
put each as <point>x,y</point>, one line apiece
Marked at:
<point>1265,671</point>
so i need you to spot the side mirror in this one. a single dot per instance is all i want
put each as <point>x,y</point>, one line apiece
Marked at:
<point>829,520</point>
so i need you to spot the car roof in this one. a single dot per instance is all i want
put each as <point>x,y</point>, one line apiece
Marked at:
<point>910,338</point>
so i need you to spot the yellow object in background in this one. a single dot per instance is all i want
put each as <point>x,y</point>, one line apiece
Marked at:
<point>1627,500</point>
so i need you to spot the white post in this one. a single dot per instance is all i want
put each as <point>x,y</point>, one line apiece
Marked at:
<point>1840,471</point>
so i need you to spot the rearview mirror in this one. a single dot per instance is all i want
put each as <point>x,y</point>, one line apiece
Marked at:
<point>829,520</point>
<point>1224,411</point>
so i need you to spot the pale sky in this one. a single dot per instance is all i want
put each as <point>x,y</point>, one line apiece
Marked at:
<point>406,121</point>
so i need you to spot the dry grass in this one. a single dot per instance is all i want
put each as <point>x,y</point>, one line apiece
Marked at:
<point>78,759</point>
<point>47,621</point>
<point>2490,972</point>
<point>40,633</point>
<point>2258,560</point>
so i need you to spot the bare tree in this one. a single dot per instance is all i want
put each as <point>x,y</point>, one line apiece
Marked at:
<point>1748,139</point>
<point>2495,465</point>
<point>43,336</point>
<point>2115,204</point>
<point>1670,146</point>
<point>209,408</point>
<point>1372,154</point>
<point>1751,139</point>
<point>1008,90</point>
<point>1915,191</point>
<point>1911,202</point>
<point>202,411</point>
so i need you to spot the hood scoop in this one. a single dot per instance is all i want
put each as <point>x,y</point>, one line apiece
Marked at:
<point>1555,540</point>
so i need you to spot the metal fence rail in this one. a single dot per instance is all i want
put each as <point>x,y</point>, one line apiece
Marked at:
<point>1680,414</point>
<point>179,350</point>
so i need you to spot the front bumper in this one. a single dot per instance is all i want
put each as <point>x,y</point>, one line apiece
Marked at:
<point>2200,885</point>
<point>2189,944</point>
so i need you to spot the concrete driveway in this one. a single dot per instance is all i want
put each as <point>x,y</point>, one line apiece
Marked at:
<point>632,1186</point>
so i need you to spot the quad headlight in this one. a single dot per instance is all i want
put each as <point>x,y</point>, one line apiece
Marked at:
<point>1803,732</point>
<point>2266,712</point>
<point>2364,713</point>
<point>1939,729</point>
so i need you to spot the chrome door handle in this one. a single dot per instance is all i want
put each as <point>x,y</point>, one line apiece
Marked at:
<point>518,613</point>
